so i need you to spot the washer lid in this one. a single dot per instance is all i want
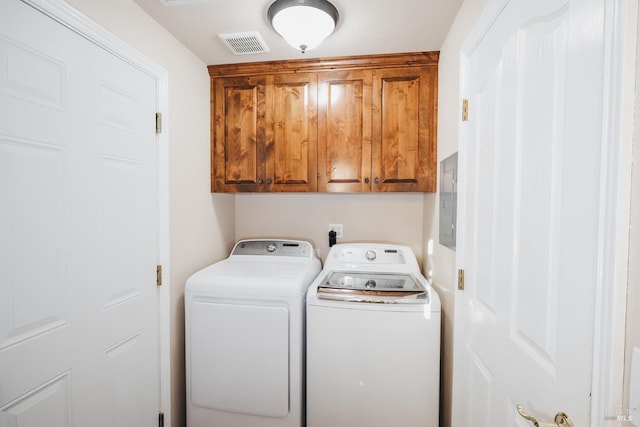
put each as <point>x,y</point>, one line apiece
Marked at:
<point>373,288</point>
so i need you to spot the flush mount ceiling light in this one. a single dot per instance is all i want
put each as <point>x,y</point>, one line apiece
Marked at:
<point>303,23</point>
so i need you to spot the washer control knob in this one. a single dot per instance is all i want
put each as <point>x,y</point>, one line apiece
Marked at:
<point>370,284</point>
<point>370,254</point>
<point>271,247</point>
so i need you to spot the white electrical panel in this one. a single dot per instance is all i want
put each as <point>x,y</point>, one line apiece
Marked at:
<point>448,200</point>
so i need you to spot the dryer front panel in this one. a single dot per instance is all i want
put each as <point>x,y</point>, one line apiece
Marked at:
<point>240,358</point>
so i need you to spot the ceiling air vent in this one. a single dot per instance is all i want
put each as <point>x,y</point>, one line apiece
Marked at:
<point>245,43</point>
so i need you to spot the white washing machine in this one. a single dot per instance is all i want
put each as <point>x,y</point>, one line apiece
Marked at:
<point>245,336</point>
<point>373,340</point>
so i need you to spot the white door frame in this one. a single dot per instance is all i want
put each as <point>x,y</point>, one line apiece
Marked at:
<point>620,28</point>
<point>90,30</point>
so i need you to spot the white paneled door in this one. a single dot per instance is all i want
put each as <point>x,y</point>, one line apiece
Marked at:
<point>78,208</point>
<point>531,165</point>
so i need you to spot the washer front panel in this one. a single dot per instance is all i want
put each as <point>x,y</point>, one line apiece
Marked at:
<point>372,368</point>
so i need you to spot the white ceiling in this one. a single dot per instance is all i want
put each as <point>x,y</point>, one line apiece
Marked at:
<point>365,27</point>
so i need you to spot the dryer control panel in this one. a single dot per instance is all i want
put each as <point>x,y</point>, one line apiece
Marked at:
<point>284,248</point>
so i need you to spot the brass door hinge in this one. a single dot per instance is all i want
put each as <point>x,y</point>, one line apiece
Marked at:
<point>159,275</point>
<point>158,122</point>
<point>461,280</point>
<point>465,110</point>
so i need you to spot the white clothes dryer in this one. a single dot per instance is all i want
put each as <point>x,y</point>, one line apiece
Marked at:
<point>244,319</point>
<point>373,340</point>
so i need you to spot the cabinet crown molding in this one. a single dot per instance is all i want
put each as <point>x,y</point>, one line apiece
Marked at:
<point>417,59</point>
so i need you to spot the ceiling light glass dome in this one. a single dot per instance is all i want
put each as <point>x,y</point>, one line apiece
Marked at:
<point>304,24</point>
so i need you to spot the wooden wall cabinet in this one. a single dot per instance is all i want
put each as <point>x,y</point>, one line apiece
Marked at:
<point>238,147</point>
<point>344,131</point>
<point>352,124</point>
<point>404,129</point>
<point>264,133</point>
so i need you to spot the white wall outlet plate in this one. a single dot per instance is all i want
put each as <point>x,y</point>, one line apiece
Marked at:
<point>337,228</point>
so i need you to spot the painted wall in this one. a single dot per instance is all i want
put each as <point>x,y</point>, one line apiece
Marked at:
<point>202,226</point>
<point>384,217</point>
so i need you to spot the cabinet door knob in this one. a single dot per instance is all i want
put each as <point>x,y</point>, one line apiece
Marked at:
<point>269,181</point>
<point>260,181</point>
<point>366,180</point>
<point>376,180</point>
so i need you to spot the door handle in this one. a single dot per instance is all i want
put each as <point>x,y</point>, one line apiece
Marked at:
<point>561,419</point>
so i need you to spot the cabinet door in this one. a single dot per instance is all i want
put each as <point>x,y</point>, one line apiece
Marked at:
<point>404,129</point>
<point>292,133</point>
<point>344,131</point>
<point>239,134</point>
